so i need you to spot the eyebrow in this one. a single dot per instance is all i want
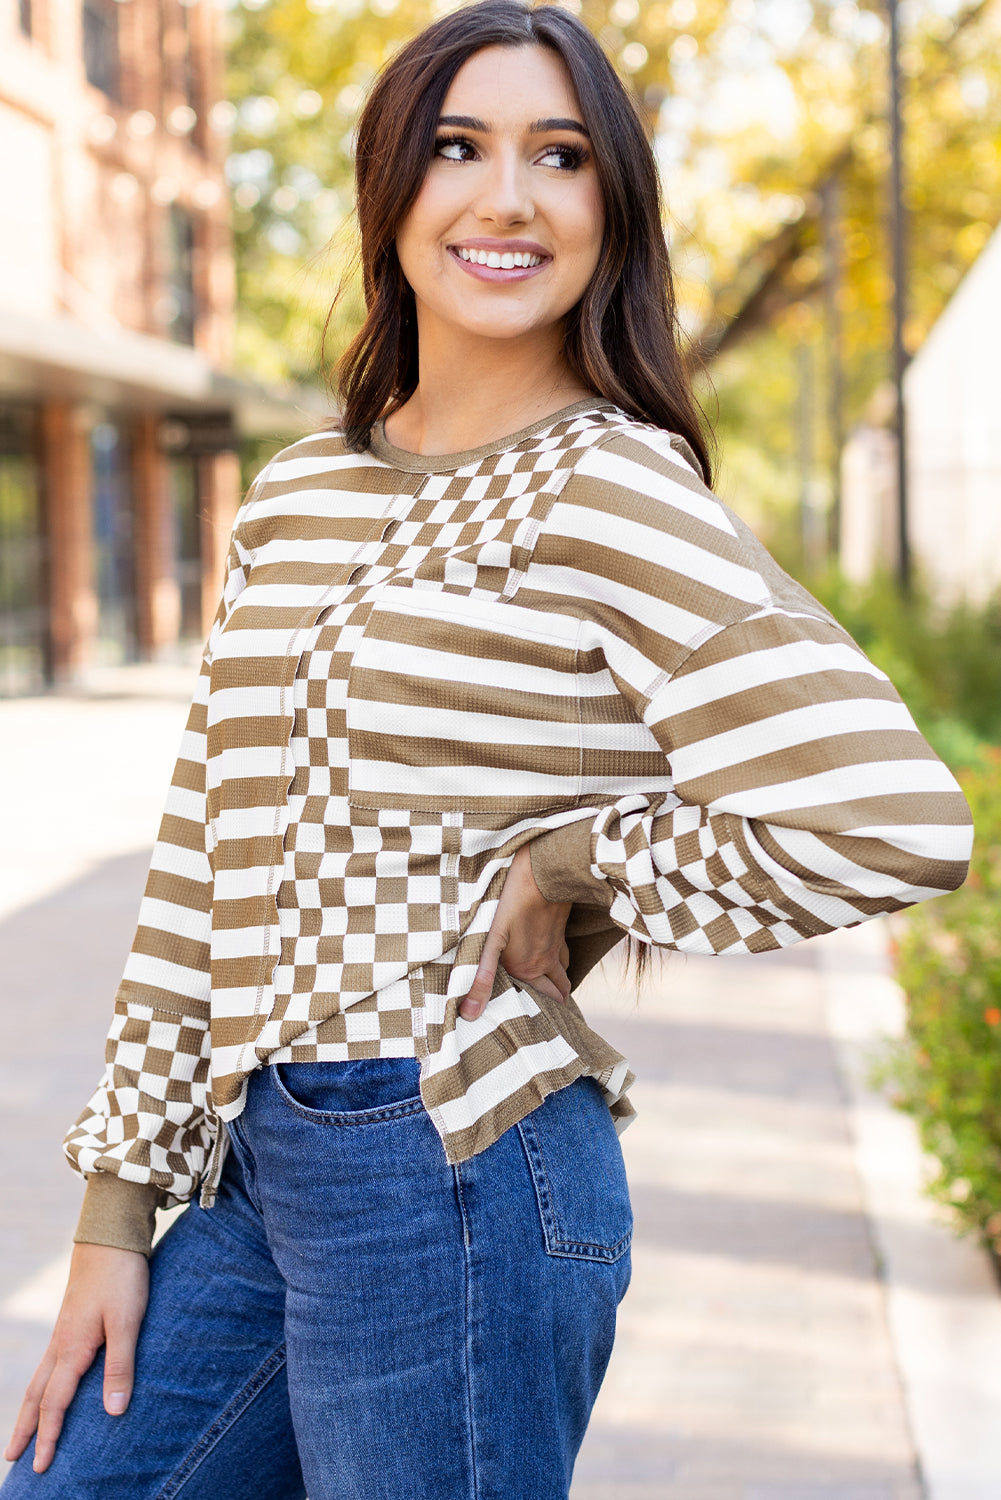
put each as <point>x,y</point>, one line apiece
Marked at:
<point>537,127</point>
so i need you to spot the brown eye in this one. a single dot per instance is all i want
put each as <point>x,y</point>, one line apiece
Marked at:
<point>454,148</point>
<point>564,158</point>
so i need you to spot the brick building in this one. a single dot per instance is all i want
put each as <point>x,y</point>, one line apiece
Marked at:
<point>119,426</point>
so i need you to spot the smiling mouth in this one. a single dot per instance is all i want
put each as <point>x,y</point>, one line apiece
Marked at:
<point>497,260</point>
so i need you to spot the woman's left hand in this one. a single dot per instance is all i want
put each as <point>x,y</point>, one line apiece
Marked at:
<point>526,939</point>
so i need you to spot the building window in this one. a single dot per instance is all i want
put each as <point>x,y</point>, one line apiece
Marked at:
<point>179,303</point>
<point>114,566</point>
<point>25,663</point>
<point>187,527</point>
<point>100,45</point>
<point>25,17</point>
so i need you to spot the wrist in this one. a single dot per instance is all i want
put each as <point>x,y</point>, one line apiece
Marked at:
<point>117,1214</point>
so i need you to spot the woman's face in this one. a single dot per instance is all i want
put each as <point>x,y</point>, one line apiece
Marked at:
<point>505,233</point>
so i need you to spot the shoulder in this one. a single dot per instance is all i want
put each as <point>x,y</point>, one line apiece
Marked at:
<point>638,488</point>
<point>638,495</point>
<point>316,475</point>
<point>318,458</point>
<point>634,468</point>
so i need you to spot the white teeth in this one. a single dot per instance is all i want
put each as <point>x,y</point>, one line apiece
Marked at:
<point>498,261</point>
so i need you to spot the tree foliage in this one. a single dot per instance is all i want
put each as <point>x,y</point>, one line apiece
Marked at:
<point>762,111</point>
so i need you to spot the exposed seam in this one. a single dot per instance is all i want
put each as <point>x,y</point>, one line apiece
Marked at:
<point>419,1011</point>
<point>452,823</point>
<point>237,1406</point>
<point>578,699</point>
<point>309,616</point>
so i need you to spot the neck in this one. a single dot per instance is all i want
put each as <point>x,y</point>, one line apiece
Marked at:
<point>473,391</point>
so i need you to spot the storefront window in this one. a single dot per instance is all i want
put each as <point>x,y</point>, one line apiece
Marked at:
<point>24,644</point>
<point>114,564</point>
<point>187,542</point>
<point>180,277</point>
<point>100,45</point>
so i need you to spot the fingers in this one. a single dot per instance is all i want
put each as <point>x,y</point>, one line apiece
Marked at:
<point>549,986</point>
<point>119,1368</point>
<point>27,1417</point>
<point>56,1397</point>
<point>483,985</point>
<point>527,937</point>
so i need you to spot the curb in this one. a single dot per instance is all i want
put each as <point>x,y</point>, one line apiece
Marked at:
<point>942,1302</point>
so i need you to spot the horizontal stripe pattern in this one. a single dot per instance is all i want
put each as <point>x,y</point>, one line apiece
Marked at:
<point>416,669</point>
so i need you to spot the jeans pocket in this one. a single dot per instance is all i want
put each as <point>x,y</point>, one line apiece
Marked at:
<point>579,1176</point>
<point>363,1091</point>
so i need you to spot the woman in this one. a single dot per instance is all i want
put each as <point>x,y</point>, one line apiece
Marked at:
<point>494,680</point>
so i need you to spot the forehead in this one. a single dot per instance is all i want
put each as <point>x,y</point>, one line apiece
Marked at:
<point>512,85</point>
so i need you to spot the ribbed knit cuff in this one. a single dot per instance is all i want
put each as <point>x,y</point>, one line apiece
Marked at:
<point>117,1213</point>
<point>561,864</point>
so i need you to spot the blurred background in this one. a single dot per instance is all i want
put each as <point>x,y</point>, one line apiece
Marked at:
<point>175,220</point>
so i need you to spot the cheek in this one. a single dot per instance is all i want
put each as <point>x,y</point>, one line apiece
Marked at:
<point>419,230</point>
<point>586,215</point>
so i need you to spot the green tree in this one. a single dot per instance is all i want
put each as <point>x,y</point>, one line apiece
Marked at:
<point>755,106</point>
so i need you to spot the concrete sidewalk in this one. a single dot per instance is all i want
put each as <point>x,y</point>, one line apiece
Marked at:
<point>798,1328</point>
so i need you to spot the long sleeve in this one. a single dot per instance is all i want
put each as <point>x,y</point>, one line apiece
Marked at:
<point>798,794</point>
<point>144,1136</point>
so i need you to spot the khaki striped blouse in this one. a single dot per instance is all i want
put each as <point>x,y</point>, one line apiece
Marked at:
<point>420,664</point>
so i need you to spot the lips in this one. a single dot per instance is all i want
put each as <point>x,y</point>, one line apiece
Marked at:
<point>506,260</point>
<point>500,260</point>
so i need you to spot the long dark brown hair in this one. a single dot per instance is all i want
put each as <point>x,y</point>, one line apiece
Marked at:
<point>621,340</point>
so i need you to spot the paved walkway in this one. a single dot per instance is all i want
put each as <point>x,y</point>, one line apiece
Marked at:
<point>762,1354</point>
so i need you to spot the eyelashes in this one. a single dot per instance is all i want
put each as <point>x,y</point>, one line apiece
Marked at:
<point>572,157</point>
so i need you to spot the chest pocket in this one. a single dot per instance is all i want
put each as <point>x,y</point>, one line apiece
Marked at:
<point>462,703</point>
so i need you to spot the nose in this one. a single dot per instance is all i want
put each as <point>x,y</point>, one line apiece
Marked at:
<point>505,196</point>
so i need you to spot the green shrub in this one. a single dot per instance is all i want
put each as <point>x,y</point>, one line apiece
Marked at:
<point>947,1071</point>
<point>945,663</point>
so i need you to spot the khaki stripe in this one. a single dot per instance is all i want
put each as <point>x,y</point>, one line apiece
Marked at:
<point>833,753</point>
<point>758,704</point>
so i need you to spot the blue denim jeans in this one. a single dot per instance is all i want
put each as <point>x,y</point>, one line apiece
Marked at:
<point>358,1320</point>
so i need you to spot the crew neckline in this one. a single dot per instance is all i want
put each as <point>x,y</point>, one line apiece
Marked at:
<point>439,463</point>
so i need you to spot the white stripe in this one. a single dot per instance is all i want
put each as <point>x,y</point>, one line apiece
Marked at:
<point>420,721</point>
<point>189,864</point>
<point>168,916</point>
<point>799,726</point>
<point>185,804</point>
<point>300,465</point>
<point>190,984</point>
<point>658,616</point>
<point>417,661</point>
<point>835,864</point>
<point>635,541</point>
<point>375,776</point>
<point>504,1081</point>
<point>756,669</point>
<point>946,839</point>
<point>617,469</point>
<point>843,784</point>
<point>508,618</point>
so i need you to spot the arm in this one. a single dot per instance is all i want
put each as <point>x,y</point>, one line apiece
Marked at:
<point>144,1135</point>
<point>799,795</point>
